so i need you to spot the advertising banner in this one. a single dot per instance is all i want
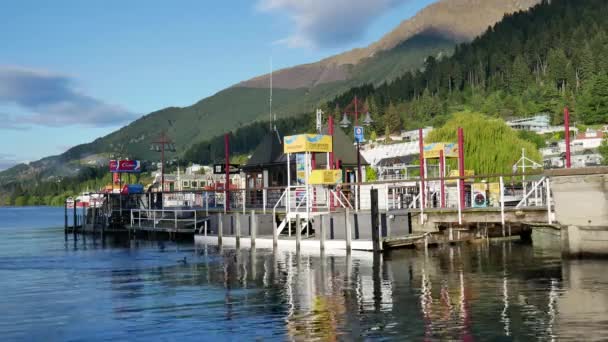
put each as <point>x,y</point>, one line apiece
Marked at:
<point>301,168</point>
<point>431,151</point>
<point>307,143</point>
<point>125,166</point>
<point>326,177</point>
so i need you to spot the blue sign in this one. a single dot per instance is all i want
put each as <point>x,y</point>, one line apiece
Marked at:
<point>359,134</point>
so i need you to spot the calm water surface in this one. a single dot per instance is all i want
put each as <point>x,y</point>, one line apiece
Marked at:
<point>52,289</point>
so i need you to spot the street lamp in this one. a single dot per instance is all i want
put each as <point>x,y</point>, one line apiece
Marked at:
<point>160,145</point>
<point>346,122</point>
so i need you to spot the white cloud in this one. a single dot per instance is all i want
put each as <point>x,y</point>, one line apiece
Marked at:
<point>51,99</point>
<point>328,23</point>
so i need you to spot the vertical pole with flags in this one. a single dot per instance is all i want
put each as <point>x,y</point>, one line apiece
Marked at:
<point>227,185</point>
<point>422,168</point>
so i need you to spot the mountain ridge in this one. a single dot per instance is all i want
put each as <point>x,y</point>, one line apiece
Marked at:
<point>298,89</point>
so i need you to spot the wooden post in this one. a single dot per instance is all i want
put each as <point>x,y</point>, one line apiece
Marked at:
<point>65,207</point>
<point>275,232</point>
<point>349,230</point>
<point>254,227</point>
<point>220,228</point>
<point>322,233</point>
<point>375,221</point>
<point>75,219</point>
<point>549,218</point>
<point>238,230</point>
<point>298,232</point>
<point>94,218</point>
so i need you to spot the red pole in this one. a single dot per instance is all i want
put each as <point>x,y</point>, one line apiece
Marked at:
<point>567,136</point>
<point>461,165</point>
<point>442,176</point>
<point>422,175</point>
<point>331,132</point>
<point>227,184</point>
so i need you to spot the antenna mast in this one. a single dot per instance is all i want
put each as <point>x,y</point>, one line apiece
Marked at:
<point>271,122</point>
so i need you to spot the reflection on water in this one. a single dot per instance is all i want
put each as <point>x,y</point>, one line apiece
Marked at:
<point>127,290</point>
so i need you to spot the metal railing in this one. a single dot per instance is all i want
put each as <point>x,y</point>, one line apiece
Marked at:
<point>163,218</point>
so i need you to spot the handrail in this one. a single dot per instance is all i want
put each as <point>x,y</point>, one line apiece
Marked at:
<point>534,188</point>
<point>335,194</point>
<point>156,220</point>
<point>302,201</point>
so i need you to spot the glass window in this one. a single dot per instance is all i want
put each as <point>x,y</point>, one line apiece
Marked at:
<point>194,184</point>
<point>186,184</point>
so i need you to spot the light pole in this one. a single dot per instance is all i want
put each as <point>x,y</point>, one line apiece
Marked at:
<point>163,142</point>
<point>346,123</point>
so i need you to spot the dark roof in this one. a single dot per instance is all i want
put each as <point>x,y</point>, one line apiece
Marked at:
<point>344,149</point>
<point>270,151</point>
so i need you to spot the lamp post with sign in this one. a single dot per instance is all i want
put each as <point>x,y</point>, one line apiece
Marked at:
<point>160,145</point>
<point>353,108</point>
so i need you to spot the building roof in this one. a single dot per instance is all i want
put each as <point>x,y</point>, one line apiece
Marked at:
<point>270,152</point>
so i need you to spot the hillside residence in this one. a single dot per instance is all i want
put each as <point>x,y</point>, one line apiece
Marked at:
<point>534,124</point>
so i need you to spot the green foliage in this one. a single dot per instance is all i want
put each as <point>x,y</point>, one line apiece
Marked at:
<point>603,150</point>
<point>490,146</point>
<point>371,174</point>
<point>594,101</point>
<point>534,138</point>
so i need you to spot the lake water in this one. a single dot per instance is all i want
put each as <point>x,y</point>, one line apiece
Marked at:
<point>53,289</point>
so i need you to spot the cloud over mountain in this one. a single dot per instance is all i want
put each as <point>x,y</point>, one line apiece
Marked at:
<point>323,23</point>
<point>51,99</point>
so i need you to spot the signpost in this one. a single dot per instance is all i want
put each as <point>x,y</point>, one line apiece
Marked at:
<point>125,166</point>
<point>359,134</point>
<point>220,169</point>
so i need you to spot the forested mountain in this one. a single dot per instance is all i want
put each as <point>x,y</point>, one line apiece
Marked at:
<point>434,31</point>
<point>531,62</point>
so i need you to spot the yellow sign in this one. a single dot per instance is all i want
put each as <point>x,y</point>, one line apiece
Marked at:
<point>307,143</point>
<point>431,151</point>
<point>494,194</point>
<point>320,177</point>
<point>455,173</point>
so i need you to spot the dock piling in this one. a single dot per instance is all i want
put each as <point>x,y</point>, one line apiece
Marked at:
<point>298,232</point>
<point>220,228</point>
<point>254,227</point>
<point>238,230</point>
<point>322,233</point>
<point>348,230</point>
<point>75,220</point>
<point>275,233</point>
<point>375,221</point>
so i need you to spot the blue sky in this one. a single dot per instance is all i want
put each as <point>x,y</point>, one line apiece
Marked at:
<point>71,70</point>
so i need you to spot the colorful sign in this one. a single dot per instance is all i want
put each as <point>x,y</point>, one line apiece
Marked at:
<point>325,177</point>
<point>125,166</point>
<point>307,143</point>
<point>359,136</point>
<point>455,173</point>
<point>301,168</point>
<point>431,151</point>
<point>494,189</point>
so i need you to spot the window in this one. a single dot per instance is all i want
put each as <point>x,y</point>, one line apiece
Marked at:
<point>186,184</point>
<point>194,184</point>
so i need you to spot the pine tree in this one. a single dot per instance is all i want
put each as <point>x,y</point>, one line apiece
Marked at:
<point>594,102</point>
<point>392,119</point>
<point>520,76</point>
